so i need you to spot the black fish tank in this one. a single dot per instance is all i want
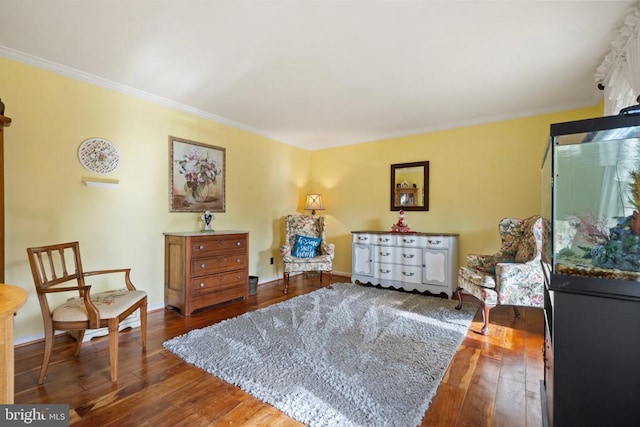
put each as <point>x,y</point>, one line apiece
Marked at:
<point>591,195</point>
<point>593,169</point>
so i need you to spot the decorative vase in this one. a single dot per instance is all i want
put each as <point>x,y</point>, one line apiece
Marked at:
<point>203,193</point>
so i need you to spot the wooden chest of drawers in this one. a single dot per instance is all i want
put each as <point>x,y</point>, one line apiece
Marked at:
<point>204,269</point>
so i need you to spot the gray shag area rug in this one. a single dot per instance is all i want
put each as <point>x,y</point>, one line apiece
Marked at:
<point>347,356</point>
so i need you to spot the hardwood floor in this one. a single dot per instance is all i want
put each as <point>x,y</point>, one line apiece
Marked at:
<point>493,380</point>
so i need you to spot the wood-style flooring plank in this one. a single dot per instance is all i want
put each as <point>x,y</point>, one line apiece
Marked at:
<point>510,405</point>
<point>479,403</point>
<point>492,380</point>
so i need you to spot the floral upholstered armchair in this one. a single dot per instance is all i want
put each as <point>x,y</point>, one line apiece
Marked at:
<point>514,275</point>
<point>305,247</point>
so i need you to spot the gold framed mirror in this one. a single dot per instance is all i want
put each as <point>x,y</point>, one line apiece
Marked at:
<point>410,186</point>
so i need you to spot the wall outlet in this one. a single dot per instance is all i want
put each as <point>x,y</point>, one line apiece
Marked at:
<point>271,261</point>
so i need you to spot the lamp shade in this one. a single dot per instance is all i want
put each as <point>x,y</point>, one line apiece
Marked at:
<point>314,202</point>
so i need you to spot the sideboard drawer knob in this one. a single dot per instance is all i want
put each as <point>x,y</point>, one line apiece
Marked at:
<point>201,247</point>
<point>202,285</point>
<point>238,261</point>
<point>238,243</point>
<point>202,266</point>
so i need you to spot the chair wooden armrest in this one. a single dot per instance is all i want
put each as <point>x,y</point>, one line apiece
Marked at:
<point>92,310</point>
<point>126,271</point>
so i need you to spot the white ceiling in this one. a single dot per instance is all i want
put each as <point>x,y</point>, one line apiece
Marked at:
<point>325,73</point>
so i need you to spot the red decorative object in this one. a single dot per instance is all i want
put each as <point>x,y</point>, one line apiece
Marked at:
<point>401,226</point>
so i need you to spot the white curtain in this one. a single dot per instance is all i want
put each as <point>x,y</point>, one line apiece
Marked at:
<point>619,73</point>
<point>620,70</point>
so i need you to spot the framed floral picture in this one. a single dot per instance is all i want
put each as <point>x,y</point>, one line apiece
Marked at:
<point>196,176</point>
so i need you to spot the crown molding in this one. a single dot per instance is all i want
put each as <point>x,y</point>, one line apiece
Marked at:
<point>488,119</point>
<point>127,90</point>
<point>63,70</point>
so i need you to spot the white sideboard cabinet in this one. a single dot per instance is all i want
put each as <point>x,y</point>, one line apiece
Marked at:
<point>423,262</point>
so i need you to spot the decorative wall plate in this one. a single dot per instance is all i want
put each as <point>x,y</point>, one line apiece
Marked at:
<point>99,155</point>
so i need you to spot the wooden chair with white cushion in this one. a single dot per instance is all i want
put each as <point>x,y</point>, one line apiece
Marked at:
<point>60,264</point>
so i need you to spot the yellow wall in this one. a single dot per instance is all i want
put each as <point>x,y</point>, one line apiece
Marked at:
<point>47,203</point>
<point>478,175</point>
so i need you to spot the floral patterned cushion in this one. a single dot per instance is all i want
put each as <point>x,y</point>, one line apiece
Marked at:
<point>110,304</point>
<point>476,277</point>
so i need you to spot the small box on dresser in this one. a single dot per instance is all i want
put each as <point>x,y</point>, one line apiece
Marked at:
<point>205,268</point>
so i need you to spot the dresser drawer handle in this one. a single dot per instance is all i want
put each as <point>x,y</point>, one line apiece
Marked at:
<point>408,256</point>
<point>434,242</point>
<point>202,285</point>
<point>408,274</point>
<point>386,239</point>
<point>238,261</point>
<point>238,277</point>
<point>385,271</point>
<point>202,266</point>
<point>363,239</point>
<point>385,253</point>
<point>238,243</point>
<point>201,247</point>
